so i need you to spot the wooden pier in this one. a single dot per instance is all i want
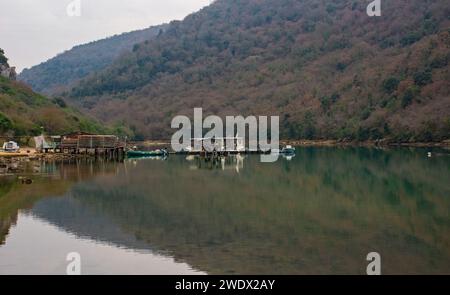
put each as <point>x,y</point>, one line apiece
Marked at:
<point>102,146</point>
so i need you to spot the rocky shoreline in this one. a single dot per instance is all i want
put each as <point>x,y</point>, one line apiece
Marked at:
<point>13,165</point>
<point>31,162</point>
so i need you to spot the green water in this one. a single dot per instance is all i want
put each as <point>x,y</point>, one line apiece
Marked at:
<point>320,212</point>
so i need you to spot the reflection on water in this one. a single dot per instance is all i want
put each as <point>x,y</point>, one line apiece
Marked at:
<point>320,212</point>
<point>47,253</point>
<point>234,162</point>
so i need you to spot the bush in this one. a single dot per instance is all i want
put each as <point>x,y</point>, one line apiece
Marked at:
<point>439,62</point>
<point>390,85</point>
<point>407,98</point>
<point>340,66</point>
<point>327,101</point>
<point>331,9</point>
<point>366,113</point>
<point>410,39</point>
<point>309,26</point>
<point>60,102</point>
<point>430,26</point>
<point>362,134</point>
<point>5,123</point>
<point>423,78</point>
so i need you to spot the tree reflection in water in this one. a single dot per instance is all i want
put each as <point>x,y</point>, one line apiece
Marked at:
<point>319,213</point>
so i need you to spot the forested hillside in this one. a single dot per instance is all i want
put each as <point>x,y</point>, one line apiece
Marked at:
<point>68,67</point>
<point>325,67</point>
<point>24,112</point>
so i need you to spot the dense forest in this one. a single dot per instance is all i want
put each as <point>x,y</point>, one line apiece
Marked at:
<point>325,67</point>
<point>68,67</point>
<point>24,112</point>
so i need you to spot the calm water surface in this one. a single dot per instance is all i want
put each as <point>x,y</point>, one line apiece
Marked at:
<point>320,212</point>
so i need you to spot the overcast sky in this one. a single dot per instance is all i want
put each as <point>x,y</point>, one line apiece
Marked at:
<point>32,31</point>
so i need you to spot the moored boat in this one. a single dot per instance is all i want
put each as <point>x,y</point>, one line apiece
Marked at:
<point>144,154</point>
<point>288,150</point>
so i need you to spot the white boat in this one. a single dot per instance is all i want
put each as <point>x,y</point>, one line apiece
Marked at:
<point>288,150</point>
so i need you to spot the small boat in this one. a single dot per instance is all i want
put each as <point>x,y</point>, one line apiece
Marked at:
<point>145,154</point>
<point>288,150</point>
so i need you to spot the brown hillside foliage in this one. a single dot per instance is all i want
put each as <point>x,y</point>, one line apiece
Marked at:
<point>325,67</point>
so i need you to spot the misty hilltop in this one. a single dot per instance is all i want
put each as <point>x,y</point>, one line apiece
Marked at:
<point>72,65</point>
